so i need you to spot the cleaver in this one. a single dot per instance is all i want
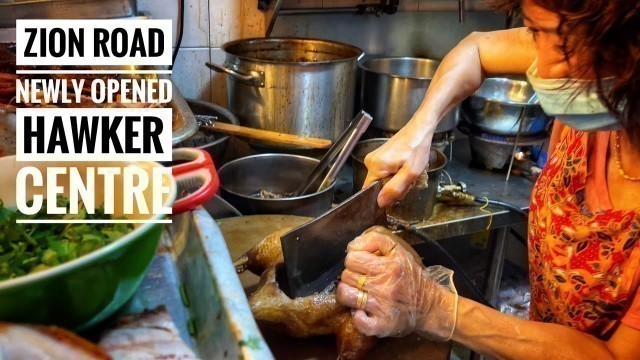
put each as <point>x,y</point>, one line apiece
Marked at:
<point>314,253</point>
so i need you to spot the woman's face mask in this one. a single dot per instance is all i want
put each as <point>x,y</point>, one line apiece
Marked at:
<point>571,103</point>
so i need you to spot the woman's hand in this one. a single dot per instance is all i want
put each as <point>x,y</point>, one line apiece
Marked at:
<point>405,156</point>
<point>392,292</point>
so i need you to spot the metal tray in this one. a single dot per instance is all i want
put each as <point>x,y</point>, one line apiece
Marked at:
<point>193,276</point>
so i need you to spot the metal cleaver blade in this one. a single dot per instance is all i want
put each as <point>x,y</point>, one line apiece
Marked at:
<point>314,253</point>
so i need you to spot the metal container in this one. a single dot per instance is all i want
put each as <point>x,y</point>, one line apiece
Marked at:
<point>244,178</point>
<point>500,104</point>
<point>297,86</point>
<point>212,142</point>
<point>393,89</point>
<point>418,204</point>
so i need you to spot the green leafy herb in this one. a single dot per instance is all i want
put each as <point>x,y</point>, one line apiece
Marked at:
<point>27,248</point>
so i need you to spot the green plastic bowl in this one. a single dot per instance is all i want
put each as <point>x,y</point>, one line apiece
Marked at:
<point>80,293</point>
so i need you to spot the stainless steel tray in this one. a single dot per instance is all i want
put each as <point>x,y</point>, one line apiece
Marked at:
<point>193,276</point>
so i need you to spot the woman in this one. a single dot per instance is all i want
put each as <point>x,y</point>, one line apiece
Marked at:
<point>583,59</point>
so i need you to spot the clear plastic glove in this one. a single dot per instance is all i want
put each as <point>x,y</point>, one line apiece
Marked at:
<point>405,156</point>
<point>402,296</point>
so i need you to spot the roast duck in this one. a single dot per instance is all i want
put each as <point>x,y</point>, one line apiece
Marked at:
<point>314,315</point>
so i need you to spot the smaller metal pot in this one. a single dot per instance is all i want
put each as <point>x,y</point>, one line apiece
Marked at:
<point>392,89</point>
<point>419,203</point>
<point>500,104</point>
<point>243,178</point>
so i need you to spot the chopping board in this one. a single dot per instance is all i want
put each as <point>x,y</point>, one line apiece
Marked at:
<point>243,232</point>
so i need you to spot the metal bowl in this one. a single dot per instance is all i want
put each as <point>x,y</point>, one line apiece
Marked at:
<point>243,178</point>
<point>500,104</point>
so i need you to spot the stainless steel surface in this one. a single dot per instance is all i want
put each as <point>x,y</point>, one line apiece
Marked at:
<point>497,264</point>
<point>461,10</point>
<point>213,143</point>
<point>449,221</point>
<point>193,276</point>
<point>417,34</point>
<point>297,86</point>
<point>64,9</point>
<point>314,252</point>
<point>362,122</point>
<point>336,156</point>
<point>501,104</point>
<point>393,88</point>
<point>243,178</point>
<point>419,203</point>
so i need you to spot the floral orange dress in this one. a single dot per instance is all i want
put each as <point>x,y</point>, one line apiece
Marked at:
<point>584,262</point>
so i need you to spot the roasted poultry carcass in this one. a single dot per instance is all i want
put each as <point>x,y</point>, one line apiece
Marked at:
<point>314,315</point>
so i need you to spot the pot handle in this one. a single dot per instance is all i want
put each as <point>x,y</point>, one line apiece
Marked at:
<point>254,78</point>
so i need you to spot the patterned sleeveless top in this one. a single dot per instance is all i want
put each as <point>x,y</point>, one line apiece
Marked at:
<point>582,264</point>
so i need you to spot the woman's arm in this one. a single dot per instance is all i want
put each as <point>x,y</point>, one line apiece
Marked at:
<point>394,295</point>
<point>458,76</point>
<point>501,336</point>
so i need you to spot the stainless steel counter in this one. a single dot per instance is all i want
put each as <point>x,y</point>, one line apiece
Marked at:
<point>449,221</point>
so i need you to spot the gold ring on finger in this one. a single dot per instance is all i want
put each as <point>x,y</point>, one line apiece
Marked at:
<point>361,280</point>
<point>362,299</point>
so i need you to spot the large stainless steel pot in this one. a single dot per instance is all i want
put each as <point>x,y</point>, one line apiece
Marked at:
<point>500,104</point>
<point>393,89</point>
<point>242,179</point>
<point>420,201</point>
<point>297,86</point>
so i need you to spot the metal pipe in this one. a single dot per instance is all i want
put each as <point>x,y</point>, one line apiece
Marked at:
<point>436,6</point>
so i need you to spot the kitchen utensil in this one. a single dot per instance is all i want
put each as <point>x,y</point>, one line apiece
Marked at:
<point>500,104</point>
<point>338,152</point>
<point>196,178</point>
<point>303,87</point>
<point>212,142</point>
<point>80,293</point>
<point>243,179</point>
<point>393,89</point>
<point>420,201</point>
<point>314,252</point>
<point>209,122</point>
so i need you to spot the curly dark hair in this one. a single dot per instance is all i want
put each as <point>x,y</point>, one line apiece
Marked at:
<point>609,31</point>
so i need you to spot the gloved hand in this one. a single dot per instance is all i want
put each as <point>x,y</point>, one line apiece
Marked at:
<point>399,295</point>
<point>405,156</point>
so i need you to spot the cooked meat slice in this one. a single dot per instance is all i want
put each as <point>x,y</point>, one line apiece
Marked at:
<point>149,335</point>
<point>26,342</point>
